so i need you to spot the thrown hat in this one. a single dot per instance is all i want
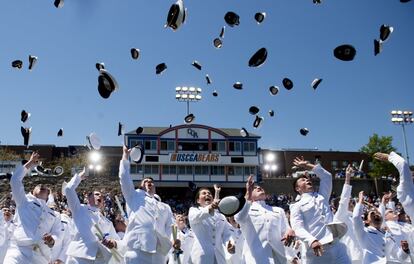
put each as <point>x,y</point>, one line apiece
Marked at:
<point>338,230</point>
<point>243,132</point>
<point>223,29</point>
<point>304,131</point>
<point>231,205</point>
<point>196,64</point>
<point>93,141</point>
<point>273,90</point>
<point>316,2</point>
<point>106,84</point>
<point>120,129</point>
<point>404,1</point>
<point>17,64</point>
<point>139,130</point>
<point>60,133</point>
<point>160,68</point>
<point>26,131</point>
<point>192,186</point>
<point>258,58</point>
<point>238,85</point>
<point>232,19</point>
<point>258,121</point>
<point>176,15</point>
<point>253,110</point>
<point>137,153</point>
<point>271,113</point>
<point>58,170</point>
<point>135,53</point>
<point>345,52</point>
<point>385,32</point>
<point>217,43</point>
<point>58,3</point>
<point>259,17</point>
<point>208,79</point>
<point>315,83</point>
<point>287,83</point>
<point>189,118</point>
<point>377,47</point>
<point>32,61</point>
<point>24,116</point>
<point>100,66</point>
<point>215,93</point>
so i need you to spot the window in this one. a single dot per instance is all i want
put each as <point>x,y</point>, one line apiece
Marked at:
<point>345,163</point>
<point>167,145</point>
<point>234,146</point>
<point>136,169</point>
<point>193,146</point>
<point>169,170</point>
<point>135,142</point>
<point>219,146</point>
<point>249,170</point>
<point>201,170</point>
<point>150,145</point>
<point>249,147</point>
<point>151,169</point>
<point>217,170</point>
<point>185,170</point>
<point>236,170</point>
<point>334,164</point>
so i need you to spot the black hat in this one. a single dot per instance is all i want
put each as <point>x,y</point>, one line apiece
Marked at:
<point>223,29</point>
<point>258,58</point>
<point>137,153</point>
<point>73,150</point>
<point>304,131</point>
<point>287,83</point>
<point>259,17</point>
<point>377,47</point>
<point>93,141</point>
<point>176,15</point>
<point>196,64</point>
<point>58,3</point>
<point>120,129</point>
<point>60,133</point>
<point>404,1</point>
<point>106,84</point>
<point>217,43</point>
<point>231,205</point>
<point>189,118</point>
<point>315,83</point>
<point>192,186</point>
<point>254,110</point>
<point>100,66</point>
<point>32,61</point>
<point>232,19</point>
<point>258,121</point>
<point>345,52</point>
<point>17,64</point>
<point>24,116</point>
<point>271,112</point>
<point>135,53</point>
<point>26,131</point>
<point>317,2</point>
<point>243,132</point>
<point>385,32</point>
<point>208,79</point>
<point>215,93</point>
<point>139,130</point>
<point>160,68</point>
<point>238,85</point>
<point>273,90</point>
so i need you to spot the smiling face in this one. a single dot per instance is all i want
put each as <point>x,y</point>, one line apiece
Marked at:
<point>41,192</point>
<point>390,215</point>
<point>148,185</point>
<point>375,219</point>
<point>258,194</point>
<point>96,199</point>
<point>204,197</point>
<point>303,185</point>
<point>180,221</point>
<point>7,214</point>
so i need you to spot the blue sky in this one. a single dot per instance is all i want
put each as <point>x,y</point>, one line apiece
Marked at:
<point>353,101</point>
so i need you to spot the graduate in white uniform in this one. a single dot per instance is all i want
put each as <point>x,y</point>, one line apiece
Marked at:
<point>141,237</point>
<point>96,239</point>
<point>7,227</point>
<point>311,214</point>
<point>211,234</point>
<point>344,215</point>
<point>265,228</point>
<point>238,241</point>
<point>37,226</point>
<point>182,246</point>
<point>59,250</point>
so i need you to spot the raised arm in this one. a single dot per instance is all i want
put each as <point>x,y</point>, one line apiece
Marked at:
<point>325,187</point>
<point>356,217</point>
<point>342,212</point>
<point>127,185</point>
<point>70,191</point>
<point>19,195</point>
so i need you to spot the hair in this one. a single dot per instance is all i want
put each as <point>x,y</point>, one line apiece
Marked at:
<point>198,195</point>
<point>141,186</point>
<point>296,181</point>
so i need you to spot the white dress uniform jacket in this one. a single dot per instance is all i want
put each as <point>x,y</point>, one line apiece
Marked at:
<point>263,227</point>
<point>309,217</point>
<point>86,244</point>
<point>210,236</point>
<point>8,233</point>
<point>33,219</point>
<point>187,238</point>
<point>163,221</point>
<point>345,216</point>
<point>62,244</point>
<point>238,241</point>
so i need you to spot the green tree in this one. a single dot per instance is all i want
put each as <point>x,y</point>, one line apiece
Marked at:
<point>379,144</point>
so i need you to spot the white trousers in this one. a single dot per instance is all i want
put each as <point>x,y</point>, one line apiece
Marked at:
<point>24,254</point>
<point>334,253</point>
<point>75,260</point>
<point>139,257</point>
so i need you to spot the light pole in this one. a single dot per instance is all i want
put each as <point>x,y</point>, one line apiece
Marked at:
<point>403,118</point>
<point>187,94</point>
<point>269,165</point>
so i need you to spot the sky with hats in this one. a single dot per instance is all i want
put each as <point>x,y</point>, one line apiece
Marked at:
<point>352,102</point>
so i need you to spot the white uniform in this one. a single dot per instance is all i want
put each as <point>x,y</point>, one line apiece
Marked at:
<point>345,216</point>
<point>33,219</point>
<point>9,227</point>
<point>186,237</point>
<point>238,241</point>
<point>263,227</point>
<point>62,244</point>
<point>163,221</point>
<point>309,217</point>
<point>210,236</point>
<point>86,247</point>
<point>141,237</point>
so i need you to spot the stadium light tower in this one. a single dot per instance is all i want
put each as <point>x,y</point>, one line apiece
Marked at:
<point>187,94</point>
<point>403,118</point>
